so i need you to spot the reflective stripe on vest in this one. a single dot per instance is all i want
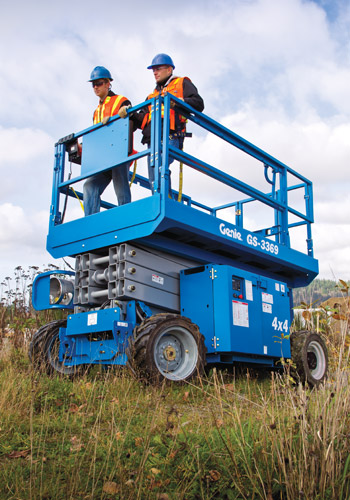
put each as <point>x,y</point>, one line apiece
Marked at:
<point>175,87</point>
<point>109,107</point>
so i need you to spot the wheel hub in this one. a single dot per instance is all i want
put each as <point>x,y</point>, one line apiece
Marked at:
<point>169,353</point>
<point>176,353</point>
<point>311,360</point>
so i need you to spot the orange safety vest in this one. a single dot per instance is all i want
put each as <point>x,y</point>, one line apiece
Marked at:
<point>110,107</point>
<point>174,87</point>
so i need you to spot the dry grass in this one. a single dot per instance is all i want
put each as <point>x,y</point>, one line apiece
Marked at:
<point>105,435</point>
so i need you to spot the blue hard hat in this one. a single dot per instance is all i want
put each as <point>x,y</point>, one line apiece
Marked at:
<point>160,60</point>
<point>100,72</point>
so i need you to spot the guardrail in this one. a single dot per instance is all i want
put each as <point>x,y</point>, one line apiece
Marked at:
<point>106,147</point>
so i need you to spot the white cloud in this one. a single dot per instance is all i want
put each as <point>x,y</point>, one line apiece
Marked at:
<point>333,212</point>
<point>20,229</point>
<point>277,73</point>
<point>316,149</point>
<point>26,160</point>
<point>22,145</point>
<point>22,239</point>
<point>332,242</point>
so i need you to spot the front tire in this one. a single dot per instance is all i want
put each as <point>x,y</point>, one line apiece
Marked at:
<point>310,356</point>
<point>44,348</point>
<point>167,346</point>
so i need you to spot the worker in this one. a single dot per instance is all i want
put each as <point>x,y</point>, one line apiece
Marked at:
<point>110,104</point>
<point>182,88</point>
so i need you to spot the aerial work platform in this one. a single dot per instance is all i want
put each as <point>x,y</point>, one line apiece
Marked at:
<point>204,231</point>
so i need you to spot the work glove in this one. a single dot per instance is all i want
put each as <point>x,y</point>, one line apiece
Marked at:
<point>123,112</point>
<point>173,103</point>
<point>105,120</point>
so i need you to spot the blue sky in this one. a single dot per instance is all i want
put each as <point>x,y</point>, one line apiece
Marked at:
<point>333,8</point>
<point>275,71</point>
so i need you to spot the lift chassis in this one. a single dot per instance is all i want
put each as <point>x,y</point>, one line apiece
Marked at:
<point>170,283</point>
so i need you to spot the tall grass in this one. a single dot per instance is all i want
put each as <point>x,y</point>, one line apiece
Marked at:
<point>18,319</point>
<point>105,435</point>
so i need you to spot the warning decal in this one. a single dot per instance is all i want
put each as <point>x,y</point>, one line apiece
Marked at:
<point>240,313</point>
<point>92,319</point>
<point>267,308</point>
<point>267,297</point>
<point>157,279</point>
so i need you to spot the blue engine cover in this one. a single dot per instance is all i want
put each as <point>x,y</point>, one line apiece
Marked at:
<point>238,312</point>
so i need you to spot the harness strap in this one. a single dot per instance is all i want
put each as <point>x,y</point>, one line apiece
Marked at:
<point>81,204</point>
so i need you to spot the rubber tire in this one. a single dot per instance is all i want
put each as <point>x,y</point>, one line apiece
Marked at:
<point>148,340</point>
<point>36,346</point>
<point>310,356</point>
<point>41,349</point>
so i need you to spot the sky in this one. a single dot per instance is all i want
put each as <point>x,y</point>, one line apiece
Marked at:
<point>276,72</point>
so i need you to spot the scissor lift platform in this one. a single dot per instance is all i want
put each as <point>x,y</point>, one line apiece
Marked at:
<point>170,282</point>
<point>186,228</point>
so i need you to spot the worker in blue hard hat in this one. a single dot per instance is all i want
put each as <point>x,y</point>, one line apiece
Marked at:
<point>110,104</point>
<point>181,87</point>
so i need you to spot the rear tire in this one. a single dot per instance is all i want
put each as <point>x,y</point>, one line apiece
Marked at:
<point>310,356</point>
<point>44,348</point>
<point>167,346</point>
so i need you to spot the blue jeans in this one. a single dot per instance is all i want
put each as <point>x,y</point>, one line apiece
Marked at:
<point>176,142</point>
<point>95,185</point>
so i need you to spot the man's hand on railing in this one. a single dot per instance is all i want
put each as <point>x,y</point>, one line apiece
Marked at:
<point>173,103</point>
<point>123,112</point>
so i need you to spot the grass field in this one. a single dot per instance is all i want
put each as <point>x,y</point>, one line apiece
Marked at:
<point>105,435</point>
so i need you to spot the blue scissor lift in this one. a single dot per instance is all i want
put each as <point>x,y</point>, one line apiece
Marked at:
<point>168,283</point>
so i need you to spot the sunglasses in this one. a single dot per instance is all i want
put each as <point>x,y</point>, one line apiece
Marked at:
<point>97,84</point>
<point>159,68</point>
